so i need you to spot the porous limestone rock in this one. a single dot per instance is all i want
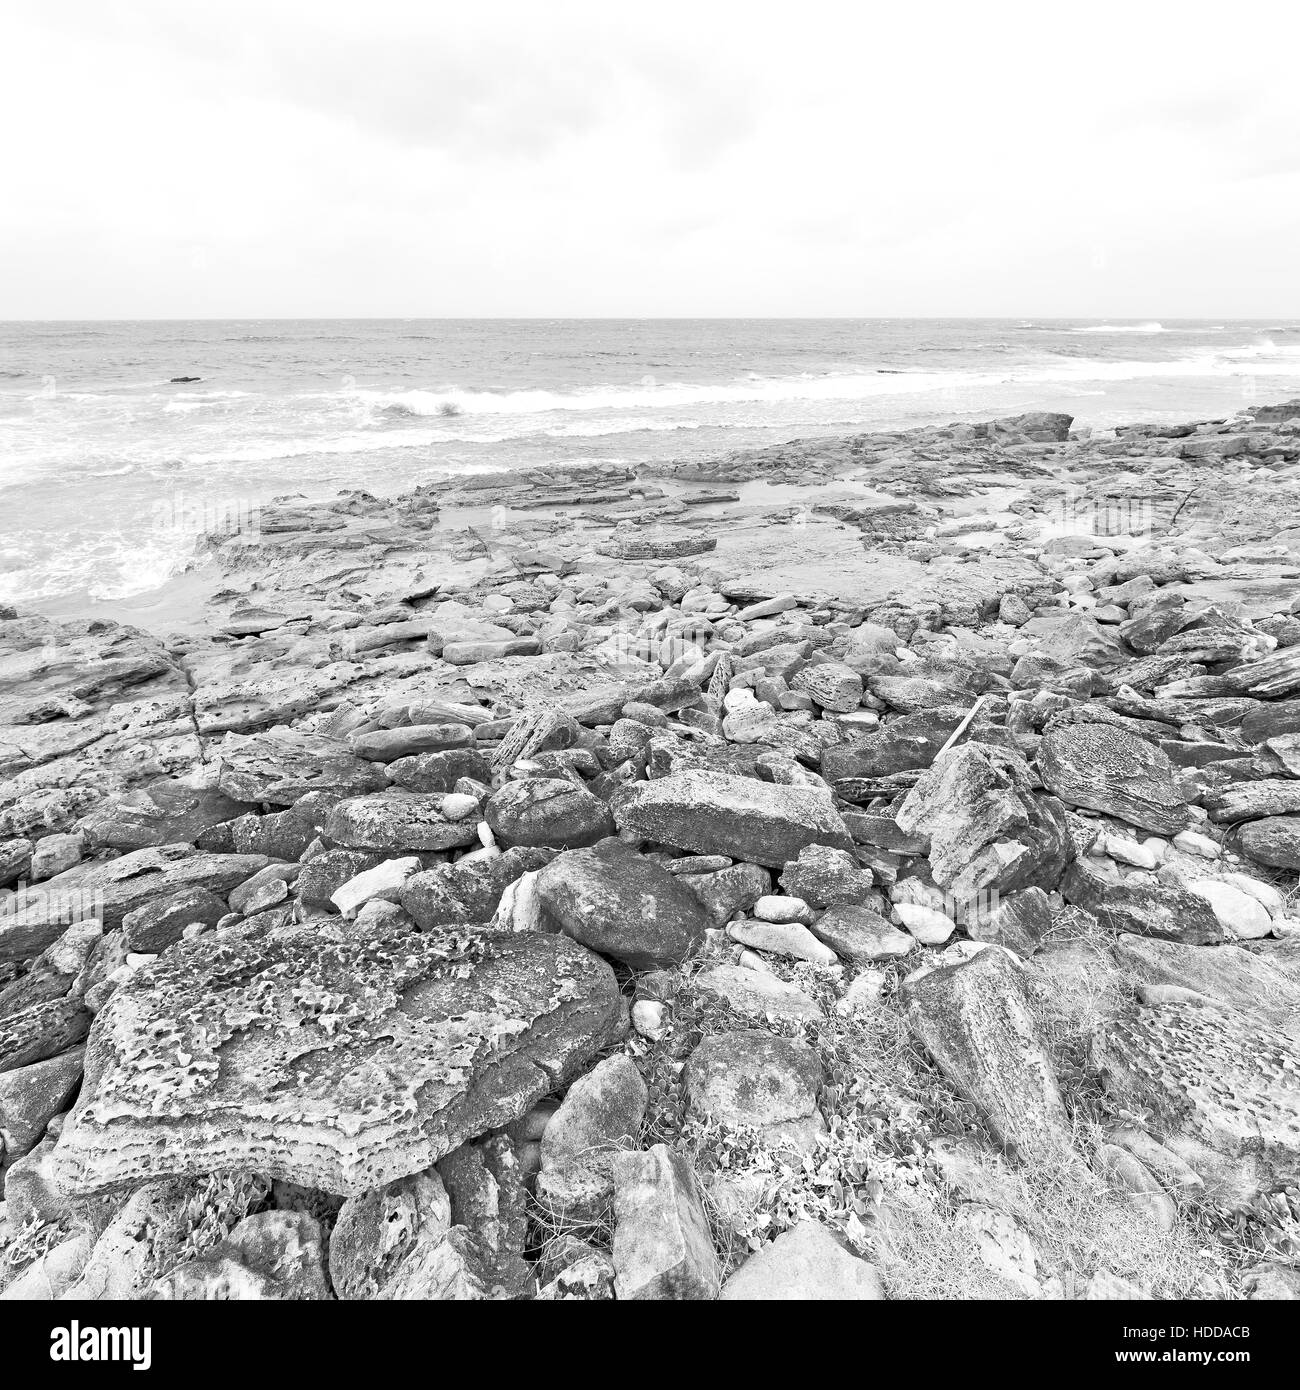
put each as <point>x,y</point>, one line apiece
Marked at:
<point>271,1255</point>
<point>339,1064</point>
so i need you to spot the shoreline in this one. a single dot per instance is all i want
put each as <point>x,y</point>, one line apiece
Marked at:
<point>506,825</point>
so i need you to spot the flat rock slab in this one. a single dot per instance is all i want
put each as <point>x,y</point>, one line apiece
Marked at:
<point>714,813</point>
<point>756,994</point>
<point>282,766</point>
<point>110,889</point>
<point>339,1065</point>
<point>662,1245</point>
<point>164,812</point>
<point>1109,769</point>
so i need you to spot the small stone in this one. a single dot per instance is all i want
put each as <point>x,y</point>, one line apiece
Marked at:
<point>775,907</point>
<point>784,938</point>
<point>928,925</point>
<point>1191,842</point>
<point>383,881</point>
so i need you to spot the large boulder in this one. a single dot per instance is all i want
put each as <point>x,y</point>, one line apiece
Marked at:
<point>467,891</point>
<point>621,904</point>
<point>714,813</point>
<point>326,1059</point>
<point>397,823</point>
<point>1105,768</point>
<point>974,1019</point>
<point>988,829</point>
<point>163,812</point>
<point>753,1078</point>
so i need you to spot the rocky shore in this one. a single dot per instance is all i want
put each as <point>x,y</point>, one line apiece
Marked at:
<point>861,868</point>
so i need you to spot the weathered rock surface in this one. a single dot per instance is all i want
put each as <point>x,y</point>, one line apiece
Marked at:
<point>662,1245</point>
<point>621,904</point>
<point>804,1263</point>
<point>547,811</point>
<point>1109,769</point>
<point>975,1021</point>
<point>336,1064</point>
<point>713,813</point>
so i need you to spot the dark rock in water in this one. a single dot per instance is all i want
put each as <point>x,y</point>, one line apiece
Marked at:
<point>184,379</point>
<point>338,1064</point>
<point>1108,769</point>
<point>547,811</point>
<point>397,822</point>
<point>164,812</point>
<point>713,813</point>
<point>988,828</point>
<point>622,904</point>
<point>467,891</point>
<point>109,890</point>
<point>974,1019</point>
<point>155,925</point>
<point>1274,841</point>
<point>1144,909</point>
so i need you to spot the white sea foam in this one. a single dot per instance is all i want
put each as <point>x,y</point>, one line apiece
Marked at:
<point>1150,327</point>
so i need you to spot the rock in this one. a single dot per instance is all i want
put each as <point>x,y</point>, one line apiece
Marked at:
<point>804,1263</point>
<point>273,1255</point>
<point>1144,909</point>
<point>1235,977</point>
<point>110,889</point>
<point>1018,921</point>
<point>929,925</point>
<point>777,907</point>
<point>439,772</point>
<point>337,1064</point>
<point>1239,914</point>
<point>1221,1085</point>
<point>662,1245</point>
<point>31,1096</point>
<point>987,828</point>
<point>547,811</point>
<point>621,904</point>
<point>1247,801</point>
<point>284,765</point>
<point>756,995</point>
<point>601,1112</point>
<point>729,890</point>
<point>784,939</point>
<point>395,823</point>
<point>324,874</point>
<point>756,1079</point>
<point>53,1274</point>
<point>1273,841</point>
<point>410,740</point>
<point>155,925</point>
<point>826,877</point>
<point>163,812</point>
<point>469,890</point>
<point>574,1191</point>
<point>1107,769</point>
<point>714,813</point>
<point>385,882</point>
<point>833,686</point>
<point>861,936</point>
<point>55,853</point>
<point>974,1019</point>
<point>41,1030</point>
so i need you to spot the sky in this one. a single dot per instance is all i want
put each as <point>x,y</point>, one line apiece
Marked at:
<point>423,159</point>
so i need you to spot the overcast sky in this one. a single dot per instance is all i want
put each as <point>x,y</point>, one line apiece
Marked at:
<point>377,158</point>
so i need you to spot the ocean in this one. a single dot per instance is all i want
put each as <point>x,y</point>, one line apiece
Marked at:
<point>101,451</point>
